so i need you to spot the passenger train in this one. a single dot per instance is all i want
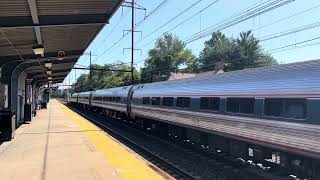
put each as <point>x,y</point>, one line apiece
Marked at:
<point>276,106</point>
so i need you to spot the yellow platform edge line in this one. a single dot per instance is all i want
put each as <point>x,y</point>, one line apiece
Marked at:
<point>126,164</point>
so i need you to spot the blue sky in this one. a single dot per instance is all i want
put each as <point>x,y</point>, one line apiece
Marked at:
<point>218,12</point>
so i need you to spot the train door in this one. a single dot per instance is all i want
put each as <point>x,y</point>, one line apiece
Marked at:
<point>90,98</point>
<point>129,100</point>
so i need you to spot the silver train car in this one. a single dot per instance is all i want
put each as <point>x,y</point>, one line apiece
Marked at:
<point>275,106</point>
<point>85,98</point>
<point>74,98</point>
<point>115,99</point>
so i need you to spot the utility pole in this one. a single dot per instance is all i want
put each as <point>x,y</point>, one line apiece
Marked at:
<point>133,6</point>
<point>90,72</point>
<point>132,39</point>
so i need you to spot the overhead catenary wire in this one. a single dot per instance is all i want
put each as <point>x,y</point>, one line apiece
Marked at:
<point>172,19</point>
<point>249,9</point>
<point>181,23</point>
<point>247,13</point>
<point>246,10</point>
<point>153,12</point>
<point>287,17</point>
<point>238,19</point>
<point>290,31</point>
<point>294,44</point>
<point>139,23</point>
<point>259,28</point>
<point>295,47</point>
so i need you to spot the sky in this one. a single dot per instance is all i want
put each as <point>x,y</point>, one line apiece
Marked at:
<point>294,15</point>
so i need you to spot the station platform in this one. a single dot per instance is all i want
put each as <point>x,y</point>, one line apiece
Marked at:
<point>60,144</point>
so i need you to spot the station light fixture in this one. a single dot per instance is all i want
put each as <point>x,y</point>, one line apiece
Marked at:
<point>50,82</point>
<point>48,65</point>
<point>38,50</point>
<point>49,72</point>
<point>49,78</point>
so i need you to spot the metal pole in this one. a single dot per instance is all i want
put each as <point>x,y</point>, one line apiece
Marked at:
<point>69,78</point>
<point>75,79</point>
<point>90,73</point>
<point>132,39</point>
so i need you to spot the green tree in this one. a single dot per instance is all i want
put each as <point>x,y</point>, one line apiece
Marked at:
<point>167,56</point>
<point>249,53</point>
<point>101,79</point>
<point>240,53</point>
<point>218,49</point>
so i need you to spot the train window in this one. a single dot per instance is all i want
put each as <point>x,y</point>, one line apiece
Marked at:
<point>183,102</point>
<point>167,101</point>
<point>155,101</point>
<point>118,99</point>
<point>210,103</point>
<point>145,100</point>
<point>240,105</point>
<point>288,108</point>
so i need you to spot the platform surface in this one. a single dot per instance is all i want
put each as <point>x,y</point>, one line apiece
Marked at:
<point>61,145</point>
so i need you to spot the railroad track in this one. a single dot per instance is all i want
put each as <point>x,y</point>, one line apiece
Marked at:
<point>163,164</point>
<point>177,160</point>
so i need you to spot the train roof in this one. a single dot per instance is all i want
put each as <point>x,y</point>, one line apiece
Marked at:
<point>301,79</point>
<point>85,94</point>
<point>118,91</point>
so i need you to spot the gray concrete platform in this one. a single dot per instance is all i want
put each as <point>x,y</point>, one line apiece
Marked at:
<point>61,145</point>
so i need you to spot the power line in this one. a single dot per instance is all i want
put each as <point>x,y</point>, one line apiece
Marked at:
<point>246,10</point>
<point>181,23</point>
<point>261,9</point>
<point>149,15</point>
<point>153,12</point>
<point>296,47</point>
<point>290,31</point>
<point>172,19</point>
<point>254,10</point>
<point>288,17</point>
<point>294,44</point>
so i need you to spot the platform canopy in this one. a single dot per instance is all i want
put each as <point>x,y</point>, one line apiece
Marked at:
<point>48,26</point>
